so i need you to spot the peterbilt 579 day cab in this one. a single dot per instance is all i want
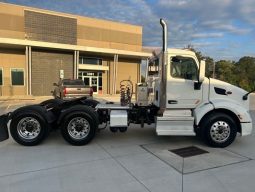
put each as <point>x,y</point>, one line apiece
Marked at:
<point>179,101</point>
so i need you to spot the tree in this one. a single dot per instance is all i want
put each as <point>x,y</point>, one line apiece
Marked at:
<point>245,69</point>
<point>225,71</point>
<point>209,68</point>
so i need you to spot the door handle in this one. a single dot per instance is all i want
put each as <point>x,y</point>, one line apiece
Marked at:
<point>172,102</point>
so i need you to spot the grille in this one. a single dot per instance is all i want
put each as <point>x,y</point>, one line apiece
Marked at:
<point>188,151</point>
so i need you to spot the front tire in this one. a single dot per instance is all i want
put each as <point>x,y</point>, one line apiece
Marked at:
<point>218,130</point>
<point>78,128</point>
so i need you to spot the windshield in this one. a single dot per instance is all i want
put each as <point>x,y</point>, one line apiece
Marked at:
<point>73,82</point>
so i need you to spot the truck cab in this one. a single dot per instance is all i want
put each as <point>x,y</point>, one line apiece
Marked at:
<point>192,104</point>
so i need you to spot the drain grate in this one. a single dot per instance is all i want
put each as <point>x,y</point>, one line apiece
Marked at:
<point>188,151</point>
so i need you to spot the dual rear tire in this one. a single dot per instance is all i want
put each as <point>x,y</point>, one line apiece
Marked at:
<point>29,126</point>
<point>78,128</point>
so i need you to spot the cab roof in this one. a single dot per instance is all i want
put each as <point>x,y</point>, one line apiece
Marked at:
<point>181,52</point>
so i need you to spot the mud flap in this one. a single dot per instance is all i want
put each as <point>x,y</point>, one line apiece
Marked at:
<point>3,127</point>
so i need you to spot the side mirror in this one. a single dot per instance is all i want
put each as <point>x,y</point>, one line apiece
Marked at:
<point>55,84</point>
<point>201,72</point>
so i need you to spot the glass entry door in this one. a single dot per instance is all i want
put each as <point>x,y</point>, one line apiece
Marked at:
<point>92,82</point>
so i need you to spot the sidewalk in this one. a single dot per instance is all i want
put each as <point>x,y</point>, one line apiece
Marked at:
<point>24,97</point>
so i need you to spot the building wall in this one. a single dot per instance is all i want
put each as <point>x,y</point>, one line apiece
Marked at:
<point>50,28</point>
<point>12,22</point>
<point>107,34</point>
<point>20,22</point>
<point>90,31</point>
<point>9,59</point>
<point>127,69</point>
<point>45,70</point>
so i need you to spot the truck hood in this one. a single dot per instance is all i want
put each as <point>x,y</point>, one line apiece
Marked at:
<point>223,90</point>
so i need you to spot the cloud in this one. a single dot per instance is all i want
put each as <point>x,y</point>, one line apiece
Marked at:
<point>224,26</point>
<point>207,35</point>
<point>189,21</point>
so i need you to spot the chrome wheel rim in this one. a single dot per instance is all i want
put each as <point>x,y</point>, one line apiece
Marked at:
<point>220,131</point>
<point>78,128</point>
<point>28,128</point>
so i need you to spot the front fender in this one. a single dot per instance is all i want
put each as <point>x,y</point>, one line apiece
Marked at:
<point>241,112</point>
<point>201,111</point>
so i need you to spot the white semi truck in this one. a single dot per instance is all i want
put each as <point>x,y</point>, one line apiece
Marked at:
<point>182,102</point>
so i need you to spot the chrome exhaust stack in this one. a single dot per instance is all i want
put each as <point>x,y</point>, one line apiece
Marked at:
<point>163,79</point>
<point>164,35</point>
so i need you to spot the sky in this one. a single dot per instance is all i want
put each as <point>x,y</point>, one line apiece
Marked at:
<point>221,29</point>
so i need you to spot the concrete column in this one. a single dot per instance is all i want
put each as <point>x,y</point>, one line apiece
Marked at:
<point>77,64</point>
<point>113,74</point>
<point>116,73</point>
<point>74,66</point>
<point>27,71</point>
<point>30,69</point>
<point>115,68</point>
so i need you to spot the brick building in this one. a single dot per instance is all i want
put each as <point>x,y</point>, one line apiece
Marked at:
<point>35,45</point>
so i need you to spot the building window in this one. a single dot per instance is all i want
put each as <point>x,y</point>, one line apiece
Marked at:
<point>90,61</point>
<point>1,76</point>
<point>17,76</point>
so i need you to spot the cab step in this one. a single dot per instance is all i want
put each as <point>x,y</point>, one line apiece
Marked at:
<point>175,122</point>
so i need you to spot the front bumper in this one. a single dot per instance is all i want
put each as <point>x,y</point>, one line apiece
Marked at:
<point>246,128</point>
<point>3,127</point>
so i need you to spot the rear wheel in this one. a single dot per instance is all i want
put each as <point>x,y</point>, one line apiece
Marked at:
<point>218,130</point>
<point>29,128</point>
<point>78,128</point>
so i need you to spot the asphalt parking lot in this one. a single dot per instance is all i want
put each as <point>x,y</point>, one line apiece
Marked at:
<point>137,160</point>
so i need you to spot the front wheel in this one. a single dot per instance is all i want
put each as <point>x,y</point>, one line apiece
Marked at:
<point>218,130</point>
<point>78,128</point>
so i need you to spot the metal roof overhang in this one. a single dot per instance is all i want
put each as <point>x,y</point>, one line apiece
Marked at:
<point>19,43</point>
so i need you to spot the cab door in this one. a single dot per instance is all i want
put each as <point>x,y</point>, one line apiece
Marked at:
<point>182,74</point>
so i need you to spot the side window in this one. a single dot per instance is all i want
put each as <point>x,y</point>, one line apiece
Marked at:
<point>184,68</point>
<point>17,76</point>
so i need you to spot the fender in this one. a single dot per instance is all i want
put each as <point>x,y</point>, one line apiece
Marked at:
<point>84,108</point>
<point>240,111</point>
<point>48,115</point>
<point>4,134</point>
<point>201,111</point>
